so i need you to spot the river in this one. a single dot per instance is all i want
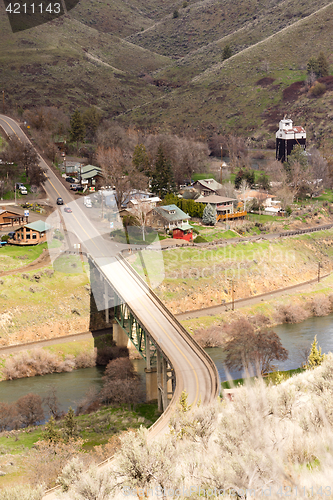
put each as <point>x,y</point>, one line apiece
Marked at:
<point>71,387</point>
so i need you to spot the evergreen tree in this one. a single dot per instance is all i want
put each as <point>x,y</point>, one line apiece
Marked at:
<point>312,66</point>
<point>91,119</point>
<point>322,65</point>
<point>209,215</point>
<point>77,130</point>
<point>227,52</point>
<point>163,181</point>
<point>140,159</point>
<point>51,433</point>
<point>70,425</point>
<point>315,357</point>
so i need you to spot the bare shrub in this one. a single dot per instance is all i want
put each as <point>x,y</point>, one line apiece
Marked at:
<point>320,306</point>
<point>209,337</point>
<point>291,313</point>
<point>46,460</point>
<point>120,369</point>
<point>86,359</point>
<point>102,452</point>
<point>107,353</point>
<point>260,320</point>
<point>22,492</point>
<point>36,362</point>
<point>89,403</point>
<point>119,392</point>
<point>30,409</point>
<point>52,403</point>
<point>6,417</point>
<point>70,473</point>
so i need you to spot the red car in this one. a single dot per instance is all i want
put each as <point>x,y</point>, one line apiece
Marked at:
<point>68,210</point>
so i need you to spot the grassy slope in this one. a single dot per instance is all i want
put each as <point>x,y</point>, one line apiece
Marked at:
<point>98,53</point>
<point>38,64</point>
<point>226,95</point>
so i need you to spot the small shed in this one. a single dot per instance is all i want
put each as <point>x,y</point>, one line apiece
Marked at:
<point>183,232</point>
<point>31,234</point>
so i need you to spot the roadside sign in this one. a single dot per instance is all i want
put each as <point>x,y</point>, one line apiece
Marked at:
<point>26,213</point>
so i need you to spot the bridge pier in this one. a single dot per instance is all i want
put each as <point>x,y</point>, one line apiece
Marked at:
<point>108,311</point>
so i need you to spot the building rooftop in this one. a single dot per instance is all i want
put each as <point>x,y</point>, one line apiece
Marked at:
<point>40,226</point>
<point>210,184</point>
<point>171,213</point>
<point>214,199</point>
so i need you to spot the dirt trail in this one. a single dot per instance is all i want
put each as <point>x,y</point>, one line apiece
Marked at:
<point>41,261</point>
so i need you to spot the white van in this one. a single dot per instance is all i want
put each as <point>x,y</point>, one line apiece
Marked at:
<point>23,190</point>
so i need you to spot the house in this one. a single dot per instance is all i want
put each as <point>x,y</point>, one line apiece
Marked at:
<point>31,234</point>
<point>207,187</point>
<point>264,199</point>
<point>90,175</point>
<point>222,204</point>
<point>167,217</point>
<point>152,202</point>
<point>8,218</point>
<point>183,232</point>
<point>287,137</point>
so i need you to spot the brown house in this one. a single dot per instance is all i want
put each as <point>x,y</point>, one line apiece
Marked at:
<point>8,218</point>
<point>31,234</point>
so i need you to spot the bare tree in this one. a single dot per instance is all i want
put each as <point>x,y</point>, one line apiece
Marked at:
<point>251,349</point>
<point>30,408</point>
<point>141,210</point>
<point>120,173</point>
<point>51,402</point>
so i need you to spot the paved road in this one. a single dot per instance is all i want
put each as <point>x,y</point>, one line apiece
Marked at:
<point>194,370</point>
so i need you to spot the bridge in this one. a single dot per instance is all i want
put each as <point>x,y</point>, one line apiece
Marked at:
<point>174,361</point>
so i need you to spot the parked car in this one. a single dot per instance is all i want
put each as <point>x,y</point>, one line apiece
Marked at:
<point>70,179</point>
<point>23,190</point>
<point>87,202</point>
<point>11,234</point>
<point>68,210</point>
<point>60,201</point>
<point>73,187</point>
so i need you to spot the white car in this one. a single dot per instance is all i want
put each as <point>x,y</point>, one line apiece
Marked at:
<point>23,190</point>
<point>87,202</point>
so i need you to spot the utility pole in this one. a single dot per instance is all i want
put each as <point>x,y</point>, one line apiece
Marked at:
<point>221,166</point>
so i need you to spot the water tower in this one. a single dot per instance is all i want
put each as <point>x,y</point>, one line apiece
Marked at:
<point>287,137</point>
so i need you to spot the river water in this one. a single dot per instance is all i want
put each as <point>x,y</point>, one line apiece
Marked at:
<point>71,387</point>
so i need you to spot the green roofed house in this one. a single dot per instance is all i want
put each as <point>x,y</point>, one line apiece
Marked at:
<point>90,175</point>
<point>31,234</point>
<point>167,217</point>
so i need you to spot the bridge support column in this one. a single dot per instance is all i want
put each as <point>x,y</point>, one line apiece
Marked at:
<point>106,302</point>
<point>119,336</point>
<point>151,384</point>
<point>162,382</point>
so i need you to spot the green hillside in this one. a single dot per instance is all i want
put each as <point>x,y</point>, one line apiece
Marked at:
<point>142,65</point>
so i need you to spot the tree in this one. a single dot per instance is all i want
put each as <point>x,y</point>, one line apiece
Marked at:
<point>263,182</point>
<point>141,211</point>
<point>91,118</point>
<point>141,159</point>
<point>120,369</point>
<point>77,128</point>
<point>162,177</point>
<point>226,53</point>
<point>251,349</point>
<point>70,425</point>
<point>51,401</point>
<point>30,408</point>
<point>121,384</point>
<point>323,67</point>
<point>315,357</point>
<point>318,65</point>
<point>120,173</point>
<point>51,433</point>
<point>209,215</point>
